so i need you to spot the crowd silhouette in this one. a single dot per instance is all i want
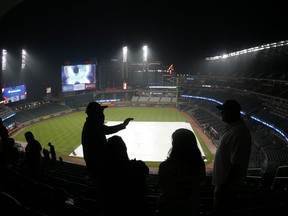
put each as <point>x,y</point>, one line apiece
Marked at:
<point>120,183</point>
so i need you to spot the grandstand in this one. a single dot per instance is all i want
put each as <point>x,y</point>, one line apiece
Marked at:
<point>252,78</point>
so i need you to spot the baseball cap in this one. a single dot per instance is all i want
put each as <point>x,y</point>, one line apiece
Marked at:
<point>93,107</point>
<point>231,105</point>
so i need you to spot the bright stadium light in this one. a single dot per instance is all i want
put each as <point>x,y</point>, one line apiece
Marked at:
<point>125,54</point>
<point>252,49</point>
<point>4,59</point>
<point>124,63</point>
<point>145,53</point>
<point>23,62</point>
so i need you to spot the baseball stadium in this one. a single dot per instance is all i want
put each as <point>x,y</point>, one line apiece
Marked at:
<point>160,99</point>
<point>158,110</point>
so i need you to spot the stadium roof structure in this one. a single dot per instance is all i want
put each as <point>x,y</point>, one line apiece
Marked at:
<point>281,51</point>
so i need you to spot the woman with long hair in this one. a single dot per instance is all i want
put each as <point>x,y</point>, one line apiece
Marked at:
<point>181,176</point>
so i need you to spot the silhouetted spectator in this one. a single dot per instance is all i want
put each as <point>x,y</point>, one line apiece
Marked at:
<point>52,151</point>
<point>46,155</point>
<point>93,139</point>
<point>124,181</point>
<point>231,159</point>
<point>3,143</point>
<point>181,176</point>
<point>32,152</point>
<point>4,135</point>
<point>12,156</point>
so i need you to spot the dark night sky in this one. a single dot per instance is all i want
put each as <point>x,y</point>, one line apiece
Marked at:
<point>179,32</point>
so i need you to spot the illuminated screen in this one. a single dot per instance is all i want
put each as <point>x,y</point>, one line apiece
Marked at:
<point>78,77</point>
<point>48,90</point>
<point>13,94</point>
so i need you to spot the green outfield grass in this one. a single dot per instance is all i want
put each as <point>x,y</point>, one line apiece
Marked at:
<point>65,131</point>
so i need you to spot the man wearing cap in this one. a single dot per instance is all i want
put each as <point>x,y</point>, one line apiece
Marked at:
<point>231,159</point>
<point>93,139</point>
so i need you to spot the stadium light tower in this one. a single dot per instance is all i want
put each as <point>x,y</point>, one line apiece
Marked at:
<point>125,64</point>
<point>4,59</point>
<point>145,63</point>
<point>3,64</point>
<point>125,54</point>
<point>23,59</point>
<point>145,53</point>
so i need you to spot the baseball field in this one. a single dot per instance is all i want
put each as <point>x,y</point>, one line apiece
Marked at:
<point>148,136</point>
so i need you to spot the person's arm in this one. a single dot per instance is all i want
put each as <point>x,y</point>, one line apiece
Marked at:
<point>127,120</point>
<point>114,129</point>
